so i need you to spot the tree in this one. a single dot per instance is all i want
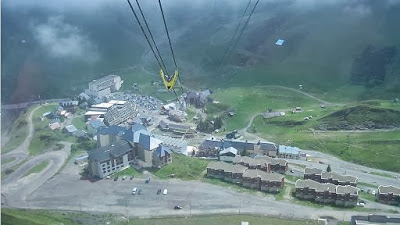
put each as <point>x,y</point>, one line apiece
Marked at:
<point>328,169</point>
<point>217,123</point>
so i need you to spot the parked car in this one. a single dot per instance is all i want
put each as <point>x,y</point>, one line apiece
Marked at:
<point>147,180</point>
<point>178,207</point>
<point>159,191</point>
<point>115,178</point>
<point>140,191</point>
<point>124,177</point>
<point>131,178</point>
<point>134,190</point>
<point>360,204</point>
<point>165,191</point>
<point>108,177</point>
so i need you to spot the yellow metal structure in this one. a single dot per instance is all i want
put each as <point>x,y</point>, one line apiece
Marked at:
<point>169,83</point>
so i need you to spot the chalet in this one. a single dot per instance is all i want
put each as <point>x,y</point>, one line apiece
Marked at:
<point>346,195</point>
<point>312,174</point>
<point>389,195</point>
<point>329,177</point>
<point>334,178</point>
<point>288,152</point>
<point>228,154</point>
<point>374,219</point>
<point>212,146</point>
<point>327,192</point>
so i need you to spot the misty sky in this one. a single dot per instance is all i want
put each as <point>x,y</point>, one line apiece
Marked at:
<point>47,39</point>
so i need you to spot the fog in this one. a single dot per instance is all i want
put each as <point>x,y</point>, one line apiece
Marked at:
<point>78,40</point>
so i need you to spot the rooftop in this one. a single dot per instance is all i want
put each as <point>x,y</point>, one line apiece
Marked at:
<point>112,130</point>
<point>148,142</point>
<point>288,150</point>
<point>312,171</point>
<point>230,149</point>
<point>389,189</point>
<point>71,128</point>
<point>227,167</point>
<point>340,178</point>
<point>102,105</point>
<point>103,154</point>
<point>263,175</point>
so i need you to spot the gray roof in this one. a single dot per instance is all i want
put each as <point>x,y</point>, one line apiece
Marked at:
<point>226,167</point>
<point>148,142</point>
<point>229,150</point>
<point>269,146</point>
<point>288,150</point>
<point>71,128</point>
<point>263,175</point>
<point>112,130</point>
<point>162,151</point>
<point>340,178</point>
<point>270,160</point>
<point>346,190</point>
<point>105,153</point>
<point>389,189</point>
<point>312,171</point>
<point>318,187</point>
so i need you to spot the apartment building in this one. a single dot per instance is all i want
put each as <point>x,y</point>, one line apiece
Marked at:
<point>389,195</point>
<point>329,177</point>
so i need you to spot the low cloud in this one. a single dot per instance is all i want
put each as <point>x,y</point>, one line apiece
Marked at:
<point>63,40</point>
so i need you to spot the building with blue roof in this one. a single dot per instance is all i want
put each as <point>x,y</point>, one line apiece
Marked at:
<point>145,151</point>
<point>211,147</point>
<point>162,156</point>
<point>288,152</point>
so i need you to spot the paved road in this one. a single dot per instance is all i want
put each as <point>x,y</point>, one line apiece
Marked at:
<point>22,151</point>
<point>17,187</point>
<point>67,192</point>
<point>23,105</point>
<point>326,103</point>
<point>54,157</point>
<point>362,172</point>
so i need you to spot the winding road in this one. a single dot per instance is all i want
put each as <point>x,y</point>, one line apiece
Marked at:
<point>20,153</point>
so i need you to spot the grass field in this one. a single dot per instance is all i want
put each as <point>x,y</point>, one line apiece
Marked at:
<point>128,172</point>
<point>218,220</point>
<point>41,217</point>
<point>366,196</point>
<point>6,160</point>
<point>43,137</point>
<point>373,149</point>
<point>79,123</point>
<point>185,168</point>
<point>17,132</point>
<point>38,168</point>
<point>249,101</point>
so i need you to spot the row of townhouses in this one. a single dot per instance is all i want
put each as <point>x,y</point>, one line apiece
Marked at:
<point>263,163</point>
<point>213,147</point>
<point>252,178</point>
<point>327,193</point>
<point>118,148</point>
<point>329,177</point>
<point>389,195</point>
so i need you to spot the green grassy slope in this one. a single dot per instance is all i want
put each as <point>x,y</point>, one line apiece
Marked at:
<point>361,116</point>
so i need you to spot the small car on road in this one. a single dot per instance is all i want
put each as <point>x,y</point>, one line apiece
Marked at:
<point>140,192</point>
<point>115,178</point>
<point>178,207</point>
<point>165,191</point>
<point>159,191</point>
<point>134,190</point>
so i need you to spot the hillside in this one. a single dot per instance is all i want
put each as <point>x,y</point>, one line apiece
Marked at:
<point>360,117</point>
<point>328,64</point>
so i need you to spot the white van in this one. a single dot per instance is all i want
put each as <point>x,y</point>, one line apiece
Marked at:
<point>165,191</point>
<point>134,190</point>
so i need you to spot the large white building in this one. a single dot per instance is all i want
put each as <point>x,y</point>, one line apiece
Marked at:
<point>104,86</point>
